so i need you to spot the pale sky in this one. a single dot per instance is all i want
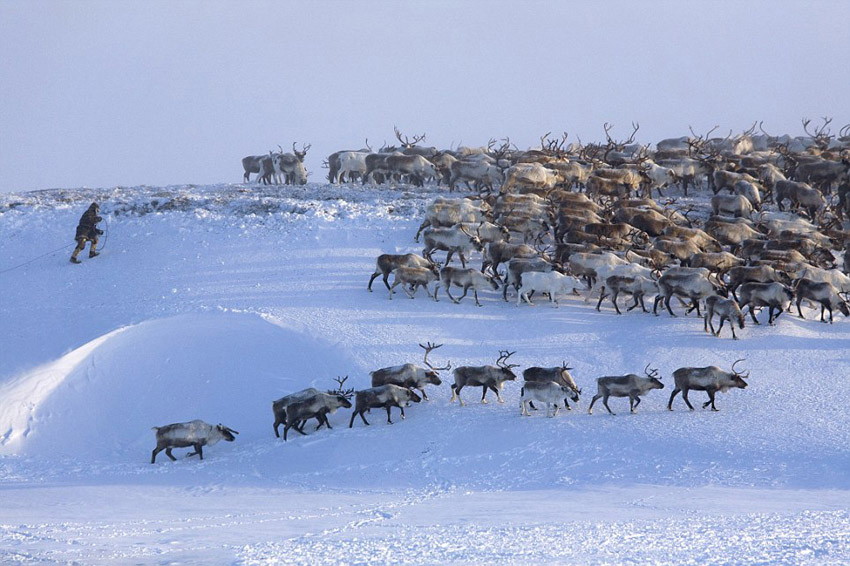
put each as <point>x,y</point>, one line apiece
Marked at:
<point>108,93</point>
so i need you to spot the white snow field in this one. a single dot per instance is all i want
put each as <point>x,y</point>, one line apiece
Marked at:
<point>210,302</point>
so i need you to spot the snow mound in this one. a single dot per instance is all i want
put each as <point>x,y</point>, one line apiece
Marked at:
<point>105,396</point>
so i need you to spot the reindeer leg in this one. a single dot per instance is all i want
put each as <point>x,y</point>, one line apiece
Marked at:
<point>634,397</point>
<point>685,397</point>
<point>719,328</point>
<point>592,401</point>
<point>498,395</point>
<point>475,293</point>
<point>602,295</point>
<point>389,420</point>
<point>710,401</point>
<point>614,300</point>
<point>605,403</point>
<point>672,395</point>
<point>753,314</point>
<point>667,304</point>
<point>448,292</point>
<point>483,394</point>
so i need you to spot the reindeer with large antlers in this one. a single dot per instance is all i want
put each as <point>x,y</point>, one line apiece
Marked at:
<point>411,376</point>
<point>406,143</point>
<point>291,165</point>
<point>710,379</point>
<point>822,135</point>
<point>630,385</point>
<point>486,377</point>
<point>409,147</point>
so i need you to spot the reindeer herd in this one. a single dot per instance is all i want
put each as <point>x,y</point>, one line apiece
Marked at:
<point>398,386</point>
<point>570,219</point>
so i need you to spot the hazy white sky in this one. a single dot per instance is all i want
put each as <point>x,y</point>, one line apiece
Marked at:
<point>105,93</point>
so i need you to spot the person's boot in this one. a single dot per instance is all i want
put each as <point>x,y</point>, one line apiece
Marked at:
<point>75,260</point>
<point>92,254</point>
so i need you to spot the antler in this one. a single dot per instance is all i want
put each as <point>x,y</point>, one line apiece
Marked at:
<point>819,133</point>
<point>503,357</point>
<point>406,142</point>
<point>564,365</point>
<point>636,127</point>
<point>300,155</point>
<point>347,393</point>
<point>428,346</point>
<point>739,374</point>
<point>653,373</point>
<point>607,127</point>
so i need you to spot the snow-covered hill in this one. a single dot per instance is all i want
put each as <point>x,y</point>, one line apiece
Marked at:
<point>210,302</point>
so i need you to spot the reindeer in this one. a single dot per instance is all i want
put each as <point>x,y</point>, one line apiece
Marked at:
<point>387,263</point>
<point>454,239</point>
<point>694,285</point>
<point>411,376</point>
<point>637,286</point>
<point>726,309</point>
<point>821,292</point>
<point>559,375</point>
<point>386,396</point>
<point>710,379</point>
<point>469,278</point>
<point>773,295</point>
<point>498,252</point>
<point>195,433</point>
<point>552,282</point>
<point>630,385</point>
<point>414,277</point>
<point>316,407</point>
<point>486,377</point>
<point>445,212</point>
<point>548,393</point>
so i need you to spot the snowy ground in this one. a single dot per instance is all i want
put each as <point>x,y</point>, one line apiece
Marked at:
<point>210,302</point>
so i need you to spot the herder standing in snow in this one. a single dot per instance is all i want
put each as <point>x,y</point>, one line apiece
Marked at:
<point>87,231</point>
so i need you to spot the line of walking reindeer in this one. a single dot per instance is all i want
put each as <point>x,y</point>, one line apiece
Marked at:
<point>571,219</point>
<point>398,386</point>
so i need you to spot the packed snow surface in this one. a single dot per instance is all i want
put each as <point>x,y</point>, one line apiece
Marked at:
<point>210,302</point>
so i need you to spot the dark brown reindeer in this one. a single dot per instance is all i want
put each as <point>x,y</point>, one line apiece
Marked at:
<point>710,379</point>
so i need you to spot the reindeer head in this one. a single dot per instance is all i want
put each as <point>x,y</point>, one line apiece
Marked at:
<point>738,377</point>
<point>654,380</point>
<point>226,433</point>
<point>300,155</point>
<point>406,143</point>
<point>507,369</point>
<point>343,393</point>
<point>432,375</point>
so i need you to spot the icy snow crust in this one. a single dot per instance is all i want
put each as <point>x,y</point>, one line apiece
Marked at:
<point>210,302</point>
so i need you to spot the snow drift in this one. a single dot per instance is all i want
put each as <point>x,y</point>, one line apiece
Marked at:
<point>103,397</point>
